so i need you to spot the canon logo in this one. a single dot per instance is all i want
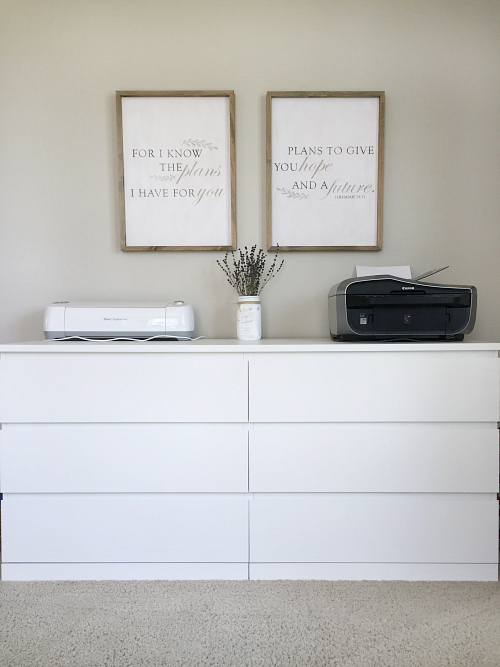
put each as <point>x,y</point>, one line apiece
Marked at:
<point>407,288</point>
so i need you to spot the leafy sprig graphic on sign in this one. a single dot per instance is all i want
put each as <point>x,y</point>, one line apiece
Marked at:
<point>166,177</point>
<point>200,143</point>
<point>294,195</point>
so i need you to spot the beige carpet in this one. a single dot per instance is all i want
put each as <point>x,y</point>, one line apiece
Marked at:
<point>239,624</point>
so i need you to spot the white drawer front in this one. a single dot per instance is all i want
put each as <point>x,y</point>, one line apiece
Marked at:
<point>376,571</point>
<point>122,571</point>
<point>128,387</point>
<point>412,458</point>
<point>139,458</point>
<point>124,528</point>
<point>375,528</point>
<point>374,387</point>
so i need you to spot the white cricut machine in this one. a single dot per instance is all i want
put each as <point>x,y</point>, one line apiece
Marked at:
<point>66,319</point>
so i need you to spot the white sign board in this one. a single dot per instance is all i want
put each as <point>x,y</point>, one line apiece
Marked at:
<point>177,170</point>
<point>325,170</point>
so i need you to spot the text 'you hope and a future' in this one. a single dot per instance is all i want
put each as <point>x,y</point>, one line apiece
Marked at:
<point>316,167</point>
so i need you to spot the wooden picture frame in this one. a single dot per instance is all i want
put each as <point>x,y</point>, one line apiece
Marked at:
<point>324,170</point>
<point>177,170</point>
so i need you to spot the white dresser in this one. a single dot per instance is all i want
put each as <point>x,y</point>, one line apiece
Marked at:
<point>279,459</point>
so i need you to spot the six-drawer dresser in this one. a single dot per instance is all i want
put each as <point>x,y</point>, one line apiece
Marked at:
<point>278,459</point>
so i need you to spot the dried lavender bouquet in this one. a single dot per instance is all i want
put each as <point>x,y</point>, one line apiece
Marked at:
<point>248,271</point>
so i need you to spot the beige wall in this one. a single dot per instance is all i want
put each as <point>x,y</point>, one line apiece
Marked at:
<point>62,60</point>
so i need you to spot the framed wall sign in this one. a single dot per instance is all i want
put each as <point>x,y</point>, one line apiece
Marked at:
<point>325,156</point>
<point>177,170</point>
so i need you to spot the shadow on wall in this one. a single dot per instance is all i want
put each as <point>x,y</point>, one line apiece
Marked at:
<point>23,325</point>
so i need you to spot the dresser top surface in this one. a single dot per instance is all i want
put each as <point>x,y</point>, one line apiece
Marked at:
<point>230,345</point>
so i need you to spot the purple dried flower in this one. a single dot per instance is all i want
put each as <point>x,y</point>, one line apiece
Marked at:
<point>247,273</point>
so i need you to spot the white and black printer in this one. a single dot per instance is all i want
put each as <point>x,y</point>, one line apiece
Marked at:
<point>391,308</point>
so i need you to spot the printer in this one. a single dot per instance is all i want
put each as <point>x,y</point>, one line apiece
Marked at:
<point>67,319</point>
<point>390,308</point>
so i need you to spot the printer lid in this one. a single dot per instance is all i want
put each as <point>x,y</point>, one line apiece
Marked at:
<point>387,289</point>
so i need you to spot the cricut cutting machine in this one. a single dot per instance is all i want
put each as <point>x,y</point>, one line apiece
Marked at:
<point>66,319</point>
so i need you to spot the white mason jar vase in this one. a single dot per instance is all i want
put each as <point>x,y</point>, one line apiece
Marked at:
<point>248,321</point>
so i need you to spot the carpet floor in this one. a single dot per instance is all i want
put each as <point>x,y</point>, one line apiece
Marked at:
<point>249,624</point>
